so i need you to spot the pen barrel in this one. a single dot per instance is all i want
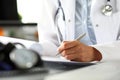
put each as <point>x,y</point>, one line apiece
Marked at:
<point>80,37</point>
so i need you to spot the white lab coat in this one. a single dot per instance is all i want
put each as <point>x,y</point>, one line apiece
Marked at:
<point>106,28</point>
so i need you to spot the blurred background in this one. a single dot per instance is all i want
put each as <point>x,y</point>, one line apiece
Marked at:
<point>19,18</point>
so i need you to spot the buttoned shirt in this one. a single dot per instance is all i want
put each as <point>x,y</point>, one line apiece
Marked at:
<point>83,22</point>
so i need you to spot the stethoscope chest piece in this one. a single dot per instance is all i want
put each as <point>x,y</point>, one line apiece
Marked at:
<point>107,9</point>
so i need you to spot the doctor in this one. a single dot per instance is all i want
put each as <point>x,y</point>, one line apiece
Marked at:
<point>62,21</point>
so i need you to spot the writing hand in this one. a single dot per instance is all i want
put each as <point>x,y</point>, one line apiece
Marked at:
<point>77,51</point>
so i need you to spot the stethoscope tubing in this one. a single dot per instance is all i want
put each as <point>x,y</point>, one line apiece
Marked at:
<point>57,15</point>
<point>60,8</point>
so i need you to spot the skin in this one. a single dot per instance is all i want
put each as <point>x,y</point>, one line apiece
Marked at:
<point>77,51</point>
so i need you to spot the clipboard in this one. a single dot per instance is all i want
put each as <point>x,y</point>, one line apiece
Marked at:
<point>62,64</point>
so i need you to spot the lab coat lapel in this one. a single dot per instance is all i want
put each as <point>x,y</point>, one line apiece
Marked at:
<point>69,10</point>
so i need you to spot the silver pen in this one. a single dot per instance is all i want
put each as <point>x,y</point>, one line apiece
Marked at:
<point>78,38</point>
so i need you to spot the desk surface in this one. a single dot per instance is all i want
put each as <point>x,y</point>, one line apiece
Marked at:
<point>102,71</point>
<point>108,70</point>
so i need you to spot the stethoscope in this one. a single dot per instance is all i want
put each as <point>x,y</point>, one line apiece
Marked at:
<point>107,9</point>
<point>60,9</point>
<point>59,16</point>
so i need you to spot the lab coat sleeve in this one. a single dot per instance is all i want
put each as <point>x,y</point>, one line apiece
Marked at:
<point>110,51</point>
<point>46,29</point>
<point>44,48</point>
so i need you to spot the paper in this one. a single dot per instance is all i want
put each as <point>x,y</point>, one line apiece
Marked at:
<point>63,64</point>
<point>46,58</point>
<point>61,59</point>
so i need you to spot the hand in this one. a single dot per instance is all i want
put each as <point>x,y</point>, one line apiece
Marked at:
<point>77,51</point>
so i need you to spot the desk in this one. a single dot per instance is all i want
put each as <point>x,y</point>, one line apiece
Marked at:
<point>108,70</point>
<point>102,71</point>
<point>33,76</point>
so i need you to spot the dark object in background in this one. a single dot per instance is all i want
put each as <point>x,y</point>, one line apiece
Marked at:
<point>8,10</point>
<point>13,58</point>
<point>8,68</point>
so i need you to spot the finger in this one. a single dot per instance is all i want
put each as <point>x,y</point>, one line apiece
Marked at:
<point>73,56</point>
<point>82,57</point>
<point>72,50</point>
<point>67,45</point>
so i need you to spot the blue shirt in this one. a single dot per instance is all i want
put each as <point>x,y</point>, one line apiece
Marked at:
<point>83,22</point>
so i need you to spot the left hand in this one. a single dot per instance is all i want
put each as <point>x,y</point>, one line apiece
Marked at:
<point>77,51</point>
